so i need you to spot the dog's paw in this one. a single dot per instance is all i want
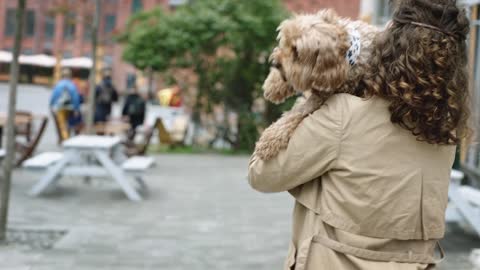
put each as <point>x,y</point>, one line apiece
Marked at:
<point>276,137</point>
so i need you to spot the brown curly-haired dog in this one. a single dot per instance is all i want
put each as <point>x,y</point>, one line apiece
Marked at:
<point>321,53</point>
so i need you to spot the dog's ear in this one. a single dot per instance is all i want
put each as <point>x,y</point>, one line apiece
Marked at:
<point>288,31</point>
<point>328,16</point>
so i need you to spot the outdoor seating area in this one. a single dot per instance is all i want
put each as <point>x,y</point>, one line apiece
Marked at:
<point>90,156</point>
<point>22,121</point>
<point>111,153</point>
<point>29,130</point>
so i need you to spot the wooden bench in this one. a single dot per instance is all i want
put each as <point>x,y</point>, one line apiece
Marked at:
<point>43,160</point>
<point>176,135</point>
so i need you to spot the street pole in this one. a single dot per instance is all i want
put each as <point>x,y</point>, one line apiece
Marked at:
<point>93,73</point>
<point>12,102</point>
<point>150,83</point>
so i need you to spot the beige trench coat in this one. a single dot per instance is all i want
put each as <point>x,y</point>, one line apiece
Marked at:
<point>368,194</point>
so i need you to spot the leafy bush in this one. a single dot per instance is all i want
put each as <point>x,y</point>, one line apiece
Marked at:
<point>226,42</point>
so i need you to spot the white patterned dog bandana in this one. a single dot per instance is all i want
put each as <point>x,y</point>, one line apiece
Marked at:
<point>355,46</point>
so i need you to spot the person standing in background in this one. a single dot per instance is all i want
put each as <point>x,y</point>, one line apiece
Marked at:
<point>105,96</point>
<point>134,110</point>
<point>65,104</point>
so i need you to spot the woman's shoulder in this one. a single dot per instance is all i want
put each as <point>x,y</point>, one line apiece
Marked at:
<point>348,103</point>
<point>347,108</point>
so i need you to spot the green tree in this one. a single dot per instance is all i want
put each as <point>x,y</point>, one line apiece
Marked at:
<point>226,42</point>
<point>146,41</point>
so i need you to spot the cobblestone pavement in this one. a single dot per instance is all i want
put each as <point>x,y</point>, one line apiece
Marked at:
<point>200,214</point>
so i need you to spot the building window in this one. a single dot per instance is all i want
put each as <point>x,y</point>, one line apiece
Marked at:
<point>69,26</point>
<point>177,2</point>
<point>110,22</point>
<point>174,4</point>
<point>49,27</point>
<point>67,54</point>
<point>137,5</point>
<point>131,80</point>
<point>108,60</point>
<point>384,12</point>
<point>28,26</point>
<point>48,47</point>
<point>27,51</point>
<point>87,31</point>
<point>10,22</point>
<point>29,29</point>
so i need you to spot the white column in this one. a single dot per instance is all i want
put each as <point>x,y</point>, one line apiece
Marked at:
<point>367,10</point>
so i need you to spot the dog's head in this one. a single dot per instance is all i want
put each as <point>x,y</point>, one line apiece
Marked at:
<point>311,55</point>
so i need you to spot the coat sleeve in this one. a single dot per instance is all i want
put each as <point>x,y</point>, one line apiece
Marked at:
<point>312,151</point>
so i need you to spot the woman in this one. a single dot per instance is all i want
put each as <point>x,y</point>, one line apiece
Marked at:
<point>370,174</point>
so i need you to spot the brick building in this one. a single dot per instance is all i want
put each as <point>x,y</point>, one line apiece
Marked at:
<point>61,27</point>
<point>348,8</point>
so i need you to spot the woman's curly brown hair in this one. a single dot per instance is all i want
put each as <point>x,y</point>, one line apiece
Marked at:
<point>421,70</point>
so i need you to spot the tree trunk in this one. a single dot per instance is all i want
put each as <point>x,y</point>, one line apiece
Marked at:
<point>197,107</point>
<point>9,159</point>
<point>151,95</point>
<point>93,73</point>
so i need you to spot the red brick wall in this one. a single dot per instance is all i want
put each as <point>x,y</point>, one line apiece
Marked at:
<point>348,8</point>
<point>78,46</point>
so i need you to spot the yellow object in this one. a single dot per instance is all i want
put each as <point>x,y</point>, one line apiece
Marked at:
<point>58,68</point>
<point>165,96</point>
<point>100,65</point>
<point>62,118</point>
<point>163,134</point>
<point>170,97</point>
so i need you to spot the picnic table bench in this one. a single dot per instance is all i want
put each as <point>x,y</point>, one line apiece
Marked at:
<point>91,156</point>
<point>43,160</point>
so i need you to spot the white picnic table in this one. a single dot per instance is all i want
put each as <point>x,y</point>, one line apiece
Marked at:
<point>88,156</point>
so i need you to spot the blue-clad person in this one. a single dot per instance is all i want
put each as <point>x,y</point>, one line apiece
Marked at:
<point>65,104</point>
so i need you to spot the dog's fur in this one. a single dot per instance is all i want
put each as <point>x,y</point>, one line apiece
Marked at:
<point>311,57</point>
